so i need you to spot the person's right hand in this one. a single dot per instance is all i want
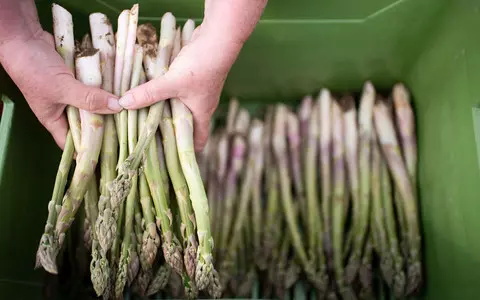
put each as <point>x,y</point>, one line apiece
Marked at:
<point>28,55</point>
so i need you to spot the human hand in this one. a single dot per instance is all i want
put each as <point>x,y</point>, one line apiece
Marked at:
<point>27,53</point>
<point>196,77</point>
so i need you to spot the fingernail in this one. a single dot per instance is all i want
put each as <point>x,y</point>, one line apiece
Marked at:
<point>112,104</point>
<point>126,100</point>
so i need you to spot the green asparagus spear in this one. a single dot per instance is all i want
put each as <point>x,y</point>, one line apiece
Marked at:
<point>237,153</point>
<point>132,133</point>
<point>393,156</point>
<point>181,192</point>
<point>105,226</point>
<point>324,104</point>
<point>364,136</point>
<point>255,137</point>
<point>49,247</point>
<point>398,284</point>
<point>170,244</point>
<point>339,196</point>
<point>88,72</point>
<point>351,157</point>
<point>378,225</point>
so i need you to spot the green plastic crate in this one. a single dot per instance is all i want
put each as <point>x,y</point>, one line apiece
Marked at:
<point>298,47</point>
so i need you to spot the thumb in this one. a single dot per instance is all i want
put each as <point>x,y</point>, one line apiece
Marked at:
<point>159,89</point>
<point>88,98</point>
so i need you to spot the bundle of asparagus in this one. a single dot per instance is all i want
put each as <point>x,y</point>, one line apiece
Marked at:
<point>129,212</point>
<point>362,225</point>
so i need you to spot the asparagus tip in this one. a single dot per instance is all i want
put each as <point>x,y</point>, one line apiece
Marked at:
<point>47,253</point>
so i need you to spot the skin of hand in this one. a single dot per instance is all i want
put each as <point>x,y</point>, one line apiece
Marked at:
<point>197,75</point>
<point>28,55</point>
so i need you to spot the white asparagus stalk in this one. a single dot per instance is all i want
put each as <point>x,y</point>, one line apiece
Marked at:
<point>104,40</point>
<point>129,50</point>
<point>65,46</point>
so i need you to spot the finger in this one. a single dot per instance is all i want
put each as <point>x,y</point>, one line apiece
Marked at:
<point>58,128</point>
<point>201,128</point>
<point>149,93</point>
<point>88,98</point>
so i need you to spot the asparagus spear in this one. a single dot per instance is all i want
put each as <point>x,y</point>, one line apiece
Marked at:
<point>148,240</point>
<point>392,152</point>
<point>91,210</point>
<point>134,264</point>
<point>364,135</point>
<point>378,225</point>
<point>64,44</point>
<point>170,244</point>
<point>365,270</point>
<point>211,161</point>
<point>117,195</point>
<point>127,249</point>
<point>183,123</point>
<point>324,105</point>
<point>181,191</point>
<point>255,137</point>
<point>103,40</point>
<point>338,197</point>
<point>303,113</point>
<point>237,153</point>
<point>151,239</point>
<point>279,148</point>
<point>88,72</point>
<point>398,284</point>
<point>142,281</point>
<point>146,37</point>
<point>257,201</point>
<point>351,157</point>
<point>48,247</point>
<point>405,121</point>
<point>220,171</point>
<point>160,280</point>
<point>163,166</point>
<point>232,114</point>
<point>294,147</point>
<point>314,221</point>
<point>272,227</point>
<point>105,226</point>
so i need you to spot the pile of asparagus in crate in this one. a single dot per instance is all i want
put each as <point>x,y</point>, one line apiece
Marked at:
<point>137,229</point>
<point>325,192</point>
<point>324,195</point>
